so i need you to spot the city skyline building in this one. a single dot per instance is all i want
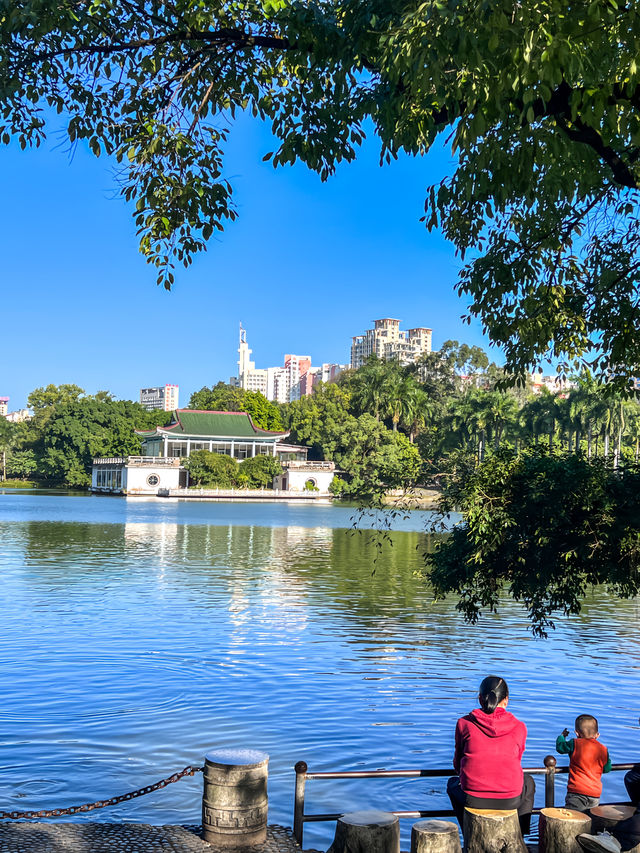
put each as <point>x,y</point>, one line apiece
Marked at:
<point>19,416</point>
<point>296,378</point>
<point>164,397</point>
<point>387,341</point>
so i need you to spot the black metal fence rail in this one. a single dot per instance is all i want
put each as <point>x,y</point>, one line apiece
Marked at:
<point>549,771</point>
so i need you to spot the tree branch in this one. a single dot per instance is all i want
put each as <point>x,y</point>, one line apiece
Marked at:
<point>581,132</point>
<point>223,36</point>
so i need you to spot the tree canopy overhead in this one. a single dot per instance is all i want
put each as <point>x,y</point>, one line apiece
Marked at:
<point>540,101</point>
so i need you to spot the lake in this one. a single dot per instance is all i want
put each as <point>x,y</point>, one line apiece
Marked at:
<point>139,634</point>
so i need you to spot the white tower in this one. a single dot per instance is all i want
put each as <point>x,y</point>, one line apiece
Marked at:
<point>245,365</point>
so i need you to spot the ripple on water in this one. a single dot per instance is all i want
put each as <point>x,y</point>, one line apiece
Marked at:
<point>138,637</point>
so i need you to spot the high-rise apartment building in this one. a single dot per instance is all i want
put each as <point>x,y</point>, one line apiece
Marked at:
<point>161,397</point>
<point>295,379</point>
<point>388,341</point>
<point>4,406</point>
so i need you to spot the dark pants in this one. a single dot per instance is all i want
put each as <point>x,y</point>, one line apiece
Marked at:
<point>632,784</point>
<point>523,803</point>
<point>580,802</point>
<point>628,831</point>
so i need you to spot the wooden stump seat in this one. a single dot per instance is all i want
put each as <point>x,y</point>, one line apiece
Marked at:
<point>492,831</point>
<point>435,836</point>
<point>369,831</point>
<point>559,829</point>
<point>605,817</point>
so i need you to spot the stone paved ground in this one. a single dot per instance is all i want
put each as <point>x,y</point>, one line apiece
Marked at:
<point>122,838</point>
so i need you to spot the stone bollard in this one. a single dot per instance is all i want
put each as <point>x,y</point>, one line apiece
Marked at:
<point>234,802</point>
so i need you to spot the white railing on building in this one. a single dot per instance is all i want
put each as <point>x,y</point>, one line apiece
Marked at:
<point>243,493</point>
<point>309,466</point>
<point>155,461</point>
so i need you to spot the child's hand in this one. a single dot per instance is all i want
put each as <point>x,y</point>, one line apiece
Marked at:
<point>565,732</point>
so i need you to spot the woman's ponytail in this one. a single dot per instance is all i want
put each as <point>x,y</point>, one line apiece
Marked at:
<point>493,691</point>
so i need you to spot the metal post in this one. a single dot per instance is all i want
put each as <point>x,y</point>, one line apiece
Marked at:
<point>549,781</point>
<point>298,802</point>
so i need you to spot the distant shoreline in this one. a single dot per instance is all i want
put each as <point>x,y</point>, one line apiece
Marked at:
<point>414,499</point>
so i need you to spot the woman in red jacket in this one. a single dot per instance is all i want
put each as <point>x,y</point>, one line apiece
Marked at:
<point>489,746</point>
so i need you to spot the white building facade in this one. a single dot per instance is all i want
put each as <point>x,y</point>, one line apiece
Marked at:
<point>305,477</point>
<point>135,475</point>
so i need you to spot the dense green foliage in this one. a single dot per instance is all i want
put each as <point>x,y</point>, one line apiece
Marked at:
<point>540,103</point>
<point>369,456</point>
<point>211,470</point>
<point>226,398</point>
<point>543,527</point>
<point>68,429</point>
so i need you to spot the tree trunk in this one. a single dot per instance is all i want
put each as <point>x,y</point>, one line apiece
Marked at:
<point>578,437</point>
<point>606,445</point>
<point>492,831</point>
<point>435,836</point>
<point>559,829</point>
<point>637,447</point>
<point>589,441</point>
<point>616,463</point>
<point>551,432</point>
<point>606,817</point>
<point>367,832</point>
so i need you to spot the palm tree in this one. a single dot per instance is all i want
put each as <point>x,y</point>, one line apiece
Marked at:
<point>400,398</point>
<point>633,428</point>
<point>471,418</point>
<point>502,413</point>
<point>419,410</point>
<point>369,387</point>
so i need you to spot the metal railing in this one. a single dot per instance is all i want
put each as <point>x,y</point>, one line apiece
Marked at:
<point>549,771</point>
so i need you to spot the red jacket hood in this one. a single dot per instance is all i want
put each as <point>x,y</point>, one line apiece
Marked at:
<point>499,723</point>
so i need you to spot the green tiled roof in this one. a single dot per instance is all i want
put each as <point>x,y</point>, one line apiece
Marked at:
<point>218,424</point>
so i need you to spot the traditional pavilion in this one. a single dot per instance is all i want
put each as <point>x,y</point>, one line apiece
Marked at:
<point>232,433</point>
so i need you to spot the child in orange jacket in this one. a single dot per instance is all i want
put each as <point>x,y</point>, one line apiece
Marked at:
<point>588,760</point>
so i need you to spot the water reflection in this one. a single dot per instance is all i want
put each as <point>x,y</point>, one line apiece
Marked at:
<point>129,649</point>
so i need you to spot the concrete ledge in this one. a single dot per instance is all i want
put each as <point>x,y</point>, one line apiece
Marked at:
<point>27,837</point>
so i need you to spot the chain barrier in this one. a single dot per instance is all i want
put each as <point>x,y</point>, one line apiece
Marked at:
<point>100,804</point>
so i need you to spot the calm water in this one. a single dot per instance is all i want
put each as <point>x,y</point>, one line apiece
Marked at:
<point>139,634</point>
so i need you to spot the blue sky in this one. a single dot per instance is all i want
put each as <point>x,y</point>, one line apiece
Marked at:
<point>306,266</point>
